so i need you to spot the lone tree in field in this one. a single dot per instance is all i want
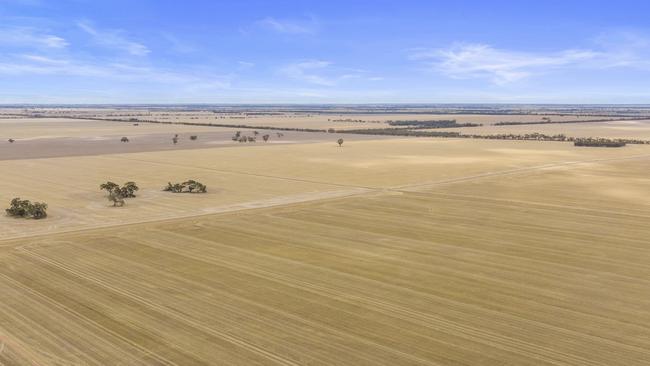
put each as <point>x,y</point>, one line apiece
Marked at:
<point>340,142</point>
<point>38,210</point>
<point>11,141</point>
<point>266,138</point>
<point>193,137</point>
<point>128,189</point>
<point>124,139</point>
<point>109,186</point>
<point>189,186</point>
<point>117,193</point>
<point>26,209</point>
<point>116,198</point>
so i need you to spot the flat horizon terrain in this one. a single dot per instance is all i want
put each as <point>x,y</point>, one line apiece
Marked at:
<point>385,251</point>
<point>639,129</point>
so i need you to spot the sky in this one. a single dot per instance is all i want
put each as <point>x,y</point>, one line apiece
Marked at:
<point>167,51</point>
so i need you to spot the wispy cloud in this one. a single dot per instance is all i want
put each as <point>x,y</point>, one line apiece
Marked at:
<point>30,37</point>
<point>308,71</point>
<point>242,65</point>
<point>288,26</point>
<point>502,66</point>
<point>114,39</point>
<point>323,73</point>
<point>29,65</point>
<point>178,45</point>
<point>464,61</point>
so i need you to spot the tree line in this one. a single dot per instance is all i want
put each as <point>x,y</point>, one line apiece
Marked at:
<point>442,123</point>
<point>547,120</point>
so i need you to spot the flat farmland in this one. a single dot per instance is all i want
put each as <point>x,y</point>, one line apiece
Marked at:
<point>639,129</point>
<point>352,121</point>
<point>60,137</point>
<point>544,266</point>
<point>256,176</point>
<point>51,128</point>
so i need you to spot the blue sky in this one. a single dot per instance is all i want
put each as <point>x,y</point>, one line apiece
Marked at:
<point>92,51</point>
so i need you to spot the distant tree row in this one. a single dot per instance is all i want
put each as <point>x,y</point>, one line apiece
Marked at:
<point>536,136</point>
<point>443,123</point>
<point>241,138</point>
<point>547,120</point>
<point>598,142</point>
<point>403,132</point>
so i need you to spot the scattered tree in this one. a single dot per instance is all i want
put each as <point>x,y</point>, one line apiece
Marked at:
<point>175,139</point>
<point>11,141</point>
<point>124,139</point>
<point>115,192</point>
<point>266,138</point>
<point>128,189</point>
<point>116,198</point>
<point>189,186</point>
<point>193,137</point>
<point>255,133</point>
<point>340,142</point>
<point>109,186</point>
<point>38,210</point>
<point>27,209</point>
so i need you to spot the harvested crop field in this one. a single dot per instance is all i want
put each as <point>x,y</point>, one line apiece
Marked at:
<point>60,137</point>
<point>545,265</point>
<point>257,176</point>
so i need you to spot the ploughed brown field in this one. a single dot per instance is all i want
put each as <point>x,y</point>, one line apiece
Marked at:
<point>380,252</point>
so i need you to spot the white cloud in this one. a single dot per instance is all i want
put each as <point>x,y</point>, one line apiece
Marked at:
<point>30,37</point>
<point>306,71</point>
<point>245,64</point>
<point>114,39</point>
<point>27,65</point>
<point>287,26</point>
<point>320,72</point>
<point>178,45</point>
<point>502,66</point>
<point>464,61</point>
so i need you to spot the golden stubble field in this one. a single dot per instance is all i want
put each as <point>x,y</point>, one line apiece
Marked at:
<point>258,176</point>
<point>392,252</point>
<point>540,267</point>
